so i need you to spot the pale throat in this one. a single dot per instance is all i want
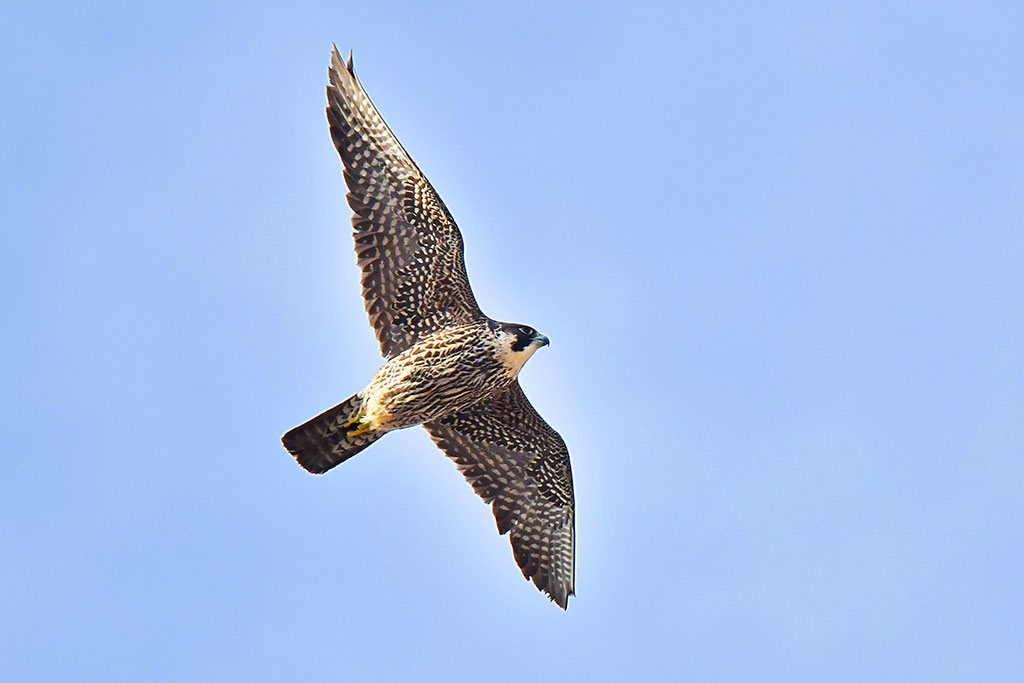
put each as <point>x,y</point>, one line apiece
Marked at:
<point>514,360</point>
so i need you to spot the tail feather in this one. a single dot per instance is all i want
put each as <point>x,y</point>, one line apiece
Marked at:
<point>324,441</point>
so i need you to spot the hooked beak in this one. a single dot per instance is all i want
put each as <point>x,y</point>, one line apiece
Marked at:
<point>542,340</point>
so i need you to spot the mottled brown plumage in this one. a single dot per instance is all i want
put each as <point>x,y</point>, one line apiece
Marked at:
<point>520,465</point>
<point>448,365</point>
<point>409,248</point>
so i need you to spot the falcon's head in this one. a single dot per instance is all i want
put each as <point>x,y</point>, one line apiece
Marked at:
<point>516,343</point>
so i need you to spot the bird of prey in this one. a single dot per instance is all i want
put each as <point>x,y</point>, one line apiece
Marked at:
<point>447,365</point>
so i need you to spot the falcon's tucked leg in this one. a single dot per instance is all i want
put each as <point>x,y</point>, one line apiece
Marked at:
<point>358,426</point>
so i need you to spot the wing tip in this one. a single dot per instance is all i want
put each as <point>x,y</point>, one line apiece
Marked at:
<point>550,581</point>
<point>559,595</point>
<point>337,62</point>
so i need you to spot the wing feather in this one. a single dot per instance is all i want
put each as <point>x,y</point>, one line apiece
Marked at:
<point>516,462</point>
<point>407,244</point>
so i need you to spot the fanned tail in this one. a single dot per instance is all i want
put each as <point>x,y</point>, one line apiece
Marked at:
<point>325,441</point>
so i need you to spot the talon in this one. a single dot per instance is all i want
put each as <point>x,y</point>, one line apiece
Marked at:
<point>357,418</point>
<point>361,428</point>
<point>356,425</point>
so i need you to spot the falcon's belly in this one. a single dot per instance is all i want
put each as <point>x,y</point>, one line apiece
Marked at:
<point>439,375</point>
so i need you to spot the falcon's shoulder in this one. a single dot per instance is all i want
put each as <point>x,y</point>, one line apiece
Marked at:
<point>408,246</point>
<point>520,465</point>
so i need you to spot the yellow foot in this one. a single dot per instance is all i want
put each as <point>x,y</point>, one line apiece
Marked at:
<point>358,425</point>
<point>361,427</point>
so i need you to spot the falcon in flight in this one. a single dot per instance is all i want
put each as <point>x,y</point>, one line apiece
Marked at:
<point>448,366</point>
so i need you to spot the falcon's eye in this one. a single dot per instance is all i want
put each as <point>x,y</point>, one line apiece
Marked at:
<point>526,331</point>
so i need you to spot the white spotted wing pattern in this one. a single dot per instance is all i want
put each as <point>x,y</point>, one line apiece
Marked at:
<point>520,465</point>
<point>408,246</point>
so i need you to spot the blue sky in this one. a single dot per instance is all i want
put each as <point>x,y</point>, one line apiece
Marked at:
<point>778,250</point>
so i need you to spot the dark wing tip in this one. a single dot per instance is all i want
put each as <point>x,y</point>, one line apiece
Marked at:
<point>560,598</point>
<point>556,592</point>
<point>338,63</point>
<point>547,582</point>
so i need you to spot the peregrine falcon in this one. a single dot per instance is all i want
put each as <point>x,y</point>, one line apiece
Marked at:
<point>447,365</point>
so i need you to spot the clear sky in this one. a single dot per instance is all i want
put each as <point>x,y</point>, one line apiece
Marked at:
<point>778,249</point>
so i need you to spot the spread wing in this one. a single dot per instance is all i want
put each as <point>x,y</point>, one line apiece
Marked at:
<point>408,246</point>
<point>520,465</point>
